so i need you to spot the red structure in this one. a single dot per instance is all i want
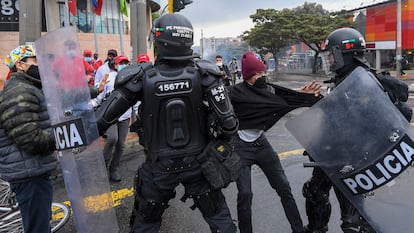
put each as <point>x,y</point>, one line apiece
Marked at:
<point>381,31</point>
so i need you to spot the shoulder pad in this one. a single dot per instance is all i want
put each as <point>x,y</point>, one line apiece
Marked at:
<point>207,68</point>
<point>135,71</point>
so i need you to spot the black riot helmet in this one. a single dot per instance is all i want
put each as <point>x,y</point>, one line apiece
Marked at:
<point>173,35</point>
<point>344,50</point>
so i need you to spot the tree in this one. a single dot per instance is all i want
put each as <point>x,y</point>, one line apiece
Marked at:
<point>308,23</point>
<point>270,33</point>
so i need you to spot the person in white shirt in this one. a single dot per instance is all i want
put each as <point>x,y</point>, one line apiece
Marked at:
<point>104,69</point>
<point>116,134</point>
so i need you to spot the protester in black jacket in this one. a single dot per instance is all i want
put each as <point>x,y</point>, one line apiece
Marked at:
<point>27,145</point>
<point>258,106</point>
<point>224,70</point>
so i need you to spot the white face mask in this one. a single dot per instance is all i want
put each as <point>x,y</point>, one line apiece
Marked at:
<point>219,63</point>
<point>71,53</point>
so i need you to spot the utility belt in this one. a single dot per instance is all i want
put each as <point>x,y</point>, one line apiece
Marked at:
<point>178,164</point>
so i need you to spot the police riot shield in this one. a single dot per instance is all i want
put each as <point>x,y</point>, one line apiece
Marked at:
<point>365,146</point>
<point>74,125</point>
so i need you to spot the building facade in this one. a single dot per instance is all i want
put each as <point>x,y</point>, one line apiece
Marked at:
<point>99,33</point>
<point>378,23</point>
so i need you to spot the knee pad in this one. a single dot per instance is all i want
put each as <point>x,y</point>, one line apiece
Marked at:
<point>208,203</point>
<point>316,192</point>
<point>318,216</point>
<point>306,190</point>
<point>318,208</point>
<point>152,211</point>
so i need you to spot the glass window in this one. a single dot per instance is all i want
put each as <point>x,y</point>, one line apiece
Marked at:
<point>107,23</point>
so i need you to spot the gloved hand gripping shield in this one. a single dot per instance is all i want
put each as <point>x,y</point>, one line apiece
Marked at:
<point>365,146</point>
<point>80,154</point>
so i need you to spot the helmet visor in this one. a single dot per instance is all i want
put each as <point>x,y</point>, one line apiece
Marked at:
<point>327,61</point>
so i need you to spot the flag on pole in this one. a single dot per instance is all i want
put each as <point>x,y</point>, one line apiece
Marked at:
<point>72,7</point>
<point>123,7</point>
<point>97,6</point>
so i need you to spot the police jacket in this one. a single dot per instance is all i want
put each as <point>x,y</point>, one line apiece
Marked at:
<point>26,146</point>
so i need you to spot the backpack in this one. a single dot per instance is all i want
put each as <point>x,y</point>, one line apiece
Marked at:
<point>397,90</point>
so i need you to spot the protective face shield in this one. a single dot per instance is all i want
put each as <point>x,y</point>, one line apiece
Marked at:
<point>332,60</point>
<point>327,60</point>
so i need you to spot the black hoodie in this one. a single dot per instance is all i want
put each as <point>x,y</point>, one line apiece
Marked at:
<point>261,108</point>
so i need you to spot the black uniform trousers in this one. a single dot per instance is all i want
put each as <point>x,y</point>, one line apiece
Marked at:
<point>157,182</point>
<point>262,154</point>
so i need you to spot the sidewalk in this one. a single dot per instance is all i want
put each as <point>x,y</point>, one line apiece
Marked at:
<point>132,146</point>
<point>410,74</point>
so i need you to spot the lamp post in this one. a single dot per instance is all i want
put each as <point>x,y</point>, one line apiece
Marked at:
<point>30,21</point>
<point>398,51</point>
<point>138,27</point>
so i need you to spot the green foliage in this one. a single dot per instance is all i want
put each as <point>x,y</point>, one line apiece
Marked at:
<point>310,23</point>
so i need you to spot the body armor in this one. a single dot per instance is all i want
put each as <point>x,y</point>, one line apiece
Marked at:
<point>173,116</point>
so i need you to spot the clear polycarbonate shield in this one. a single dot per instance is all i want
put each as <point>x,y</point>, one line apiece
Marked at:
<point>365,146</point>
<point>80,154</point>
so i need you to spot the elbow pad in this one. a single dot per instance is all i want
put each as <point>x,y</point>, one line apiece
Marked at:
<point>111,109</point>
<point>128,86</point>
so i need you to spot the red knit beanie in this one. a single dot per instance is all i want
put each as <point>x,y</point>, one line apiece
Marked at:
<point>251,65</point>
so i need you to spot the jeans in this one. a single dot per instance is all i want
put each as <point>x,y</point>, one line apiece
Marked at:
<point>116,136</point>
<point>262,154</point>
<point>35,203</point>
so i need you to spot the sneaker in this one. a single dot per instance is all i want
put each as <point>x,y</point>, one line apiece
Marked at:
<point>114,176</point>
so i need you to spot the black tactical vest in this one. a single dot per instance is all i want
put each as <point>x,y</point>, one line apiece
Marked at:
<point>174,119</point>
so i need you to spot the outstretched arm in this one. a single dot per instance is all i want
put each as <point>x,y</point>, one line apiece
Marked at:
<point>312,88</point>
<point>128,88</point>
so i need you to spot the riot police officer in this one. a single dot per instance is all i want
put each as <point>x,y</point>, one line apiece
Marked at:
<point>179,99</point>
<point>344,52</point>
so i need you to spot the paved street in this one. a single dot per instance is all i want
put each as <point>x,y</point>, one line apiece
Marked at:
<point>267,210</point>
